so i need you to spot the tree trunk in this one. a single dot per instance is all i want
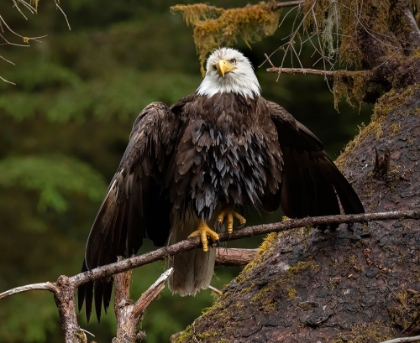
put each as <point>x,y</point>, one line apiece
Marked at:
<point>359,285</point>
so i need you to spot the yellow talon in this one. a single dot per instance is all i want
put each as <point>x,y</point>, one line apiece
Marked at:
<point>203,231</point>
<point>229,214</point>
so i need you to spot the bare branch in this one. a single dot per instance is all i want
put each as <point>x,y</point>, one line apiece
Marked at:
<point>25,39</point>
<point>45,286</point>
<point>195,242</point>
<point>279,4</point>
<point>403,339</point>
<point>29,7</point>
<point>32,9</point>
<point>5,59</point>
<point>304,71</point>
<point>63,13</point>
<point>18,8</point>
<point>153,291</point>
<point>7,81</point>
<point>192,243</point>
<point>14,44</point>
<point>215,290</point>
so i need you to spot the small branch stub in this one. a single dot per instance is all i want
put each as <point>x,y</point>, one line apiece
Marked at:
<point>403,339</point>
<point>234,257</point>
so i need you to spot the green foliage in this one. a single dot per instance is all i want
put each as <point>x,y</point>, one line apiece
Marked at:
<point>38,76</point>
<point>33,324</point>
<point>19,105</point>
<point>54,177</point>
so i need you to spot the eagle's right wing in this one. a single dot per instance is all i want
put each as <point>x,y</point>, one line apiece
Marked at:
<point>311,182</point>
<point>136,204</point>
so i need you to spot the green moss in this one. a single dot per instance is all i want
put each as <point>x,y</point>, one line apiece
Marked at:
<point>328,18</point>
<point>299,267</point>
<point>391,100</point>
<point>215,27</point>
<point>395,128</point>
<point>200,337</point>
<point>374,128</point>
<point>352,86</point>
<point>185,334</point>
<point>352,260</point>
<point>291,293</point>
<point>370,332</point>
<point>264,249</point>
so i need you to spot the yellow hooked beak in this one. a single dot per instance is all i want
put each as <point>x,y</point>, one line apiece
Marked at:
<point>224,67</point>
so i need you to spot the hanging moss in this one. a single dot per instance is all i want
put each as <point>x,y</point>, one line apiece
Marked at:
<point>338,21</point>
<point>352,86</point>
<point>215,27</point>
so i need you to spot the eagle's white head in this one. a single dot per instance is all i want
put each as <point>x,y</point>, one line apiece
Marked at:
<point>228,70</point>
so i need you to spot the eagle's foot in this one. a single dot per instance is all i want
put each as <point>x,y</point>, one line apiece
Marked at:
<point>229,214</point>
<point>204,231</point>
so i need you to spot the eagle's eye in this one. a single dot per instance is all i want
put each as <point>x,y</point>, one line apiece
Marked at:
<point>214,67</point>
<point>233,61</point>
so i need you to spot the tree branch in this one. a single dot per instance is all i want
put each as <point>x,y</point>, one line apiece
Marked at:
<point>195,242</point>
<point>304,71</point>
<point>192,243</point>
<point>280,4</point>
<point>45,286</point>
<point>64,288</point>
<point>403,339</point>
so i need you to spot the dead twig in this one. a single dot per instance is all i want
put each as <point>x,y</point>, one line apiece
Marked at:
<point>25,39</point>
<point>33,9</point>
<point>403,339</point>
<point>215,290</point>
<point>44,286</point>
<point>304,71</point>
<point>281,4</point>
<point>63,13</point>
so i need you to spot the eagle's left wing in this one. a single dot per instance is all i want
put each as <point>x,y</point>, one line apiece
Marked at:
<point>136,204</point>
<point>311,182</point>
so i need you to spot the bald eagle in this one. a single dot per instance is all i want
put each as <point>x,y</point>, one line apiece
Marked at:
<point>188,167</point>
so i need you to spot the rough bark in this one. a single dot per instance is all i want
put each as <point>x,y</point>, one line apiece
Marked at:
<point>355,284</point>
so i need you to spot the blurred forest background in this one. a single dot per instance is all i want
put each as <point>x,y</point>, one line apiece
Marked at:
<point>65,125</point>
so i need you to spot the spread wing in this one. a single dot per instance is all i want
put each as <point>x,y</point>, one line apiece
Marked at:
<point>136,204</point>
<point>310,180</point>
